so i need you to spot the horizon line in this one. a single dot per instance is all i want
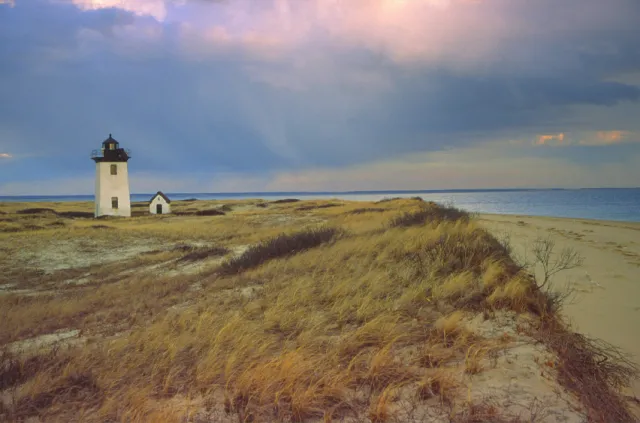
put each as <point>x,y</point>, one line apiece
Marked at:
<point>419,191</point>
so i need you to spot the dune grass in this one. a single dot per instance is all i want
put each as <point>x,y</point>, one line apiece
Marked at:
<point>332,315</point>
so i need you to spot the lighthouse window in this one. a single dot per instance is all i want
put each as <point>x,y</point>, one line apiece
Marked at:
<point>114,202</point>
<point>114,169</point>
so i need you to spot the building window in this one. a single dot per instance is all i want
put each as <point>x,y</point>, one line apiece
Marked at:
<point>114,202</point>
<point>114,169</point>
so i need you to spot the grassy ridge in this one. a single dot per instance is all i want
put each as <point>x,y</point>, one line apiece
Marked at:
<point>341,314</point>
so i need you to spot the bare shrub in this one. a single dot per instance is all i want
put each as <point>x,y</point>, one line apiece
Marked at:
<point>280,246</point>
<point>551,264</point>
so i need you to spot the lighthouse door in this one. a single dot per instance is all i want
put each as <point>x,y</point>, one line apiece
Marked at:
<point>159,208</point>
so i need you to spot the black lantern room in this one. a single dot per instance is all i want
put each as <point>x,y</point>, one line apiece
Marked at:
<point>111,152</point>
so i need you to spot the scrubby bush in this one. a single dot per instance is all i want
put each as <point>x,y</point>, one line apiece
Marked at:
<point>38,210</point>
<point>76,214</point>
<point>210,212</point>
<point>285,201</point>
<point>280,246</point>
<point>430,213</point>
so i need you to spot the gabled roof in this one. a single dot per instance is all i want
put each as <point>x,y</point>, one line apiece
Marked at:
<point>161,195</point>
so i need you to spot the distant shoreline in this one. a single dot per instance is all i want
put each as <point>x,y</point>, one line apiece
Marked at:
<point>258,194</point>
<point>602,204</point>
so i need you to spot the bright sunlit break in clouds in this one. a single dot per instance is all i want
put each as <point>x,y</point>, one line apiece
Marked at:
<point>241,95</point>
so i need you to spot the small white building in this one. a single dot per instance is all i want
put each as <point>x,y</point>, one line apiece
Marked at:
<point>160,204</point>
<point>112,180</point>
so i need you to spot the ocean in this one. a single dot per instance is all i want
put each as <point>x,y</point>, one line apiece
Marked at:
<point>622,204</point>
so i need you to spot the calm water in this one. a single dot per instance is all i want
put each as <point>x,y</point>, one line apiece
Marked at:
<point>605,204</point>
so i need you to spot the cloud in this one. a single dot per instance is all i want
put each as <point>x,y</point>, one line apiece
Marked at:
<point>11,3</point>
<point>610,137</point>
<point>550,139</point>
<point>593,138</point>
<point>155,8</point>
<point>240,89</point>
<point>5,156</point>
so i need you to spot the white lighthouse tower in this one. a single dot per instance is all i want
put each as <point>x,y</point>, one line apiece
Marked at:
<point>112,180</point>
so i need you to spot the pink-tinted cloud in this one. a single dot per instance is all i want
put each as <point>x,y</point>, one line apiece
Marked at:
<point>459,33</point>
<point>5,156</point>
<point>551,139</point>
<point>593,138</point>
<point>454,30</point>
<point>613,137</point>
<point>155,8</point>
<point>609,138</point>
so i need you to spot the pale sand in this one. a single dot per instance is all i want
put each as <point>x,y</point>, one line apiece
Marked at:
<point>607,304</point>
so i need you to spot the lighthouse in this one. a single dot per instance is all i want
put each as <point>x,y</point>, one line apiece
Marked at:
<point>112,179</point>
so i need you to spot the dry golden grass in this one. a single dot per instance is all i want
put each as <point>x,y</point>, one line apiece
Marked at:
<point>328,327</point>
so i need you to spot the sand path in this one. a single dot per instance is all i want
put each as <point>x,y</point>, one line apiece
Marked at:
<point>607,303</point>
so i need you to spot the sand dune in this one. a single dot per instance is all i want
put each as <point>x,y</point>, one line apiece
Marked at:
<point>607,300</point>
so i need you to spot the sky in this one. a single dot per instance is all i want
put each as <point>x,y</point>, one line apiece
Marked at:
<point>320,95</point>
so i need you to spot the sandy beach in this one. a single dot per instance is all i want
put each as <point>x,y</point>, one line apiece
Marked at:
<point>607,300</point>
